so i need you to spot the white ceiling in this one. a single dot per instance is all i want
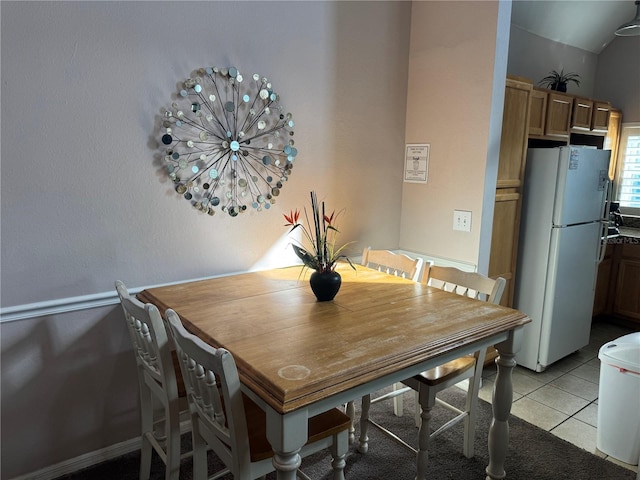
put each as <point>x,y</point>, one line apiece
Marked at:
<point>589,25</point>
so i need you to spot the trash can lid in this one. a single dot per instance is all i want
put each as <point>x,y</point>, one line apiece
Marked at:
<point>632,338</point>
<point>624,352</point>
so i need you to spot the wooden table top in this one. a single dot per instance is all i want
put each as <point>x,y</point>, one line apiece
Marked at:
<point>292,350</point>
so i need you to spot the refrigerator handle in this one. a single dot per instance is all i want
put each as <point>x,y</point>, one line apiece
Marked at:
<point>604,222</point>
<point>608,199</point>
<point>603,240</point>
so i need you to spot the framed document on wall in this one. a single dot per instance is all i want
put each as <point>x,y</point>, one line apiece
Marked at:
<point>416,163</point>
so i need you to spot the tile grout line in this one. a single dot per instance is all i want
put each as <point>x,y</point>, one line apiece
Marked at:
<point>593,354</point>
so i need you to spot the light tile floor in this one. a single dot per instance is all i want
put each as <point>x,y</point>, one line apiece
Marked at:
<point>564,398</point>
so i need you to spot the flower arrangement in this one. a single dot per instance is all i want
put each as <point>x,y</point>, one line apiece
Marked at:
<point>318,249</point>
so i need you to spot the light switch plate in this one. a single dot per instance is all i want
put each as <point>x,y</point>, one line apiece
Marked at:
<point>462,220</point>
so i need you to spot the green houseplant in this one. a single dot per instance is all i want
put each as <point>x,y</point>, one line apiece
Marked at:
<point>317,248</point>
<point>558,81</point>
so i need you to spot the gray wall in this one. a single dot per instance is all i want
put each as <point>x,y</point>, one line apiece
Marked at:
<point>84,83</point>
<point>618,76</point>
<point>533,57</point>
<point>84,203</point>
<point>613,75</point>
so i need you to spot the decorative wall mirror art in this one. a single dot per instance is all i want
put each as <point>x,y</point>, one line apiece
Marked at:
<point>227,142</point>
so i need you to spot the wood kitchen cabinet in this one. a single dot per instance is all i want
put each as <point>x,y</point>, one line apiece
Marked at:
<point>617,293</point>
<point>511,168</point>
<point>537,112</point>
<point>582,113</point>
<point>590,115</point>
<point>558,117</point>
<point>612,139</point>
<point>550,114</point>
<point>600,117</point>
<point>627,294</point>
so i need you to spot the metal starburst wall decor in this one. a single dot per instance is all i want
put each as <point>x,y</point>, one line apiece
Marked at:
<point>228,144</point>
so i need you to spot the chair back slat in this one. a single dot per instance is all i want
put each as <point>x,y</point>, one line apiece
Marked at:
<point>470,284</point>
<point>147,346</point>
<point>213,388</point>
<point>396,264</point>
<point>205,392</point>
<point>149,340</point>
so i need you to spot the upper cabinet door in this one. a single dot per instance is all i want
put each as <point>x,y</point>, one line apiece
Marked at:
<point>612,137</point>
<point>600,121</point>
<point>538,112</point>
<point>582,113</point>
<point>513,141</point>
<point>558,119</point>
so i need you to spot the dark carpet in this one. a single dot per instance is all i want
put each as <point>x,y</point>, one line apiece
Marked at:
<point>534,454</point>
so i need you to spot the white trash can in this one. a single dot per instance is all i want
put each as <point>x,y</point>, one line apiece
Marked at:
<point>619,399</point>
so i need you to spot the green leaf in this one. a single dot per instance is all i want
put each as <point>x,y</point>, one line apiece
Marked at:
<point>308,259</point>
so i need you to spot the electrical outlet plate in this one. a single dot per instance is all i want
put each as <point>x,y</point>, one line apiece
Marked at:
<point>462,220</point>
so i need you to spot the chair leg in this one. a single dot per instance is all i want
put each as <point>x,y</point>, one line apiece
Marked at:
<point>364,424</point>
<point>199,453</point>
<point>145,458</point>
<point>427,401</point>
<point>398,404</point>
<point>351,413</point>
<point>472,407</point>
<point>172,421</point>
<point>146,449</point>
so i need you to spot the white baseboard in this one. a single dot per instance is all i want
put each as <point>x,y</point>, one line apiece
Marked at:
<point>83,461</point>
<point>92,458</point>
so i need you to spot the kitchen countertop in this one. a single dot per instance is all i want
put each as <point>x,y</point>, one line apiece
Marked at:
<point>629,235</point>
<point>629,232</point>
<point>631,226</point>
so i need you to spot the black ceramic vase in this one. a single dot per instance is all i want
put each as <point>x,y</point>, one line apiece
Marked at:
<point>325,285</point>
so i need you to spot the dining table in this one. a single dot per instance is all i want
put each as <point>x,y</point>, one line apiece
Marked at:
<point>298,357</point>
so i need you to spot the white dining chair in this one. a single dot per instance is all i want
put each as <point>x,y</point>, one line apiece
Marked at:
<point>231,424</point>
<point>429,383</point>
<point>400,265</point>
<point>163,402</point>
<point>397,264</point>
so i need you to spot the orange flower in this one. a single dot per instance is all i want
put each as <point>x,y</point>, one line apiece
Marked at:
<point>292,218</point>
<point>329,219</point>
<point>317,249</point>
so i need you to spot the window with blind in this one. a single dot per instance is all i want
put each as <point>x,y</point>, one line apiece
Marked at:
<point>628,170</point>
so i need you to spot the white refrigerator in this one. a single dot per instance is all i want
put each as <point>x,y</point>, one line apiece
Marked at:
<point>560,245</point>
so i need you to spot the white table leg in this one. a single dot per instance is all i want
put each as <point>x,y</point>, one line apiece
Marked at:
<point>502,398</point>
<point>351,413</point>
<point>363,445</point>
<point>422,457</point>
<point>287,434</point>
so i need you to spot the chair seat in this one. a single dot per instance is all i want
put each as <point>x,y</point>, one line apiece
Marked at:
<point>443,373</point>
<point>321,426</point>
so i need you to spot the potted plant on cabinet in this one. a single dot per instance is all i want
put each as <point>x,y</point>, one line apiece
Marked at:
<point>558,81</point>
